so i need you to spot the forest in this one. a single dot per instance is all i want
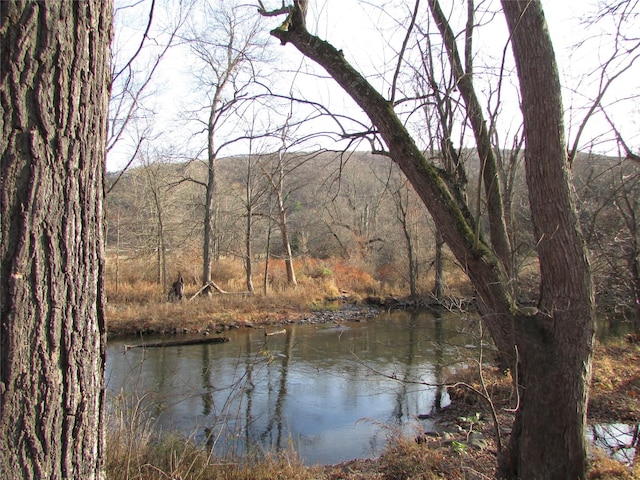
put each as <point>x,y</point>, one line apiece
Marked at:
<point>352,206</point>
<point>484,151</point>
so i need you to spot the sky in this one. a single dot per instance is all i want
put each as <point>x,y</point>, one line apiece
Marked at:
<point>354,26</point>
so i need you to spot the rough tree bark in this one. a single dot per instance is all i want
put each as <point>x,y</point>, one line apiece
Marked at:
<point>548,440</point>
<point>54,94</point>
<point>549,347</point>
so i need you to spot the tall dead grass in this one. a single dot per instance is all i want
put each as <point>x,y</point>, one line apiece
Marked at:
<point>137,451</point>
<point>136,302</point>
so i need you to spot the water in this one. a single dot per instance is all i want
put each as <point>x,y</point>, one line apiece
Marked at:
<point>619,440</point>
<point>334,392</point>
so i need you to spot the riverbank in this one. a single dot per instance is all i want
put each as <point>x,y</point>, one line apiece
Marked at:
<point>466,447</point>
<point>222,313</point>
<point>206,318</point>
<point>469,445</point>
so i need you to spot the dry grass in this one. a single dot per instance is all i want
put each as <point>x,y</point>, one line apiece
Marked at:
<point>135,450</point>
<point>219,311</point>
<point>615,389</point>
<point>136,303</point>
<point>179,458</point>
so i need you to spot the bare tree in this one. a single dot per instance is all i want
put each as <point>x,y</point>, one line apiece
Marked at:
<point>443,110</point>
<point>463,76</point>
<point>131,114</point>
<point>54,91</point>
<point>609,190</point>
<point>163,213</point>
<point>227,51</point>
<point>255,194</point>
<point>404,212</point>
<point>276,179</point>
<point>550,345</point>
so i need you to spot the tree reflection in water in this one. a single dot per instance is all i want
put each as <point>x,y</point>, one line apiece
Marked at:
<point>619,440</point>
<point>311,386</point>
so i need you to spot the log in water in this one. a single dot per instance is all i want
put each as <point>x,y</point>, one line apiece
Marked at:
<point>179,343</point>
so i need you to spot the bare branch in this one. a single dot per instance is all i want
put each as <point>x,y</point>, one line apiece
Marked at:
<point>629,153</point>
<point>273,13</point>
<point>403,49</point>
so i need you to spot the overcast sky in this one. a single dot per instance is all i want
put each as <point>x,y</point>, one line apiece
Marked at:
<point>354,26</point>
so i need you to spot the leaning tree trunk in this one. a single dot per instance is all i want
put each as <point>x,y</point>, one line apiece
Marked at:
<point>54,90</point>
<point>453,220</point>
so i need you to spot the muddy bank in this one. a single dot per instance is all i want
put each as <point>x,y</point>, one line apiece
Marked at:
<point>345,313</point>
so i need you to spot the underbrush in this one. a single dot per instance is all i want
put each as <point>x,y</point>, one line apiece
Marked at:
<point>137,302</point>
<point>136,449</point>
<point>178,458</point>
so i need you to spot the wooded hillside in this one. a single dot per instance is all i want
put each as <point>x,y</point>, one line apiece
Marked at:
<point>353,206</point>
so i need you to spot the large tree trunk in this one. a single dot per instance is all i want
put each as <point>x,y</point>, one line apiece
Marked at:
<point>54,90</point>
<point>556,344</point>
<point>552,360</point>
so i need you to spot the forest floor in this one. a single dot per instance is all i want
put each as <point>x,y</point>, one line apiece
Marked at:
<point>466,448</point>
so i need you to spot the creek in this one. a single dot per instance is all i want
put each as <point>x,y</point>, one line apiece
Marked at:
<point>331,391</point>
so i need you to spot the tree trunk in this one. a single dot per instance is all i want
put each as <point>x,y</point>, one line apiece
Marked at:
<point>556,345</point>
<point>207,241</point>
<point>286,245</point>
<point>488,162</point>
<point>454,221</point>
<point>267,253</point>
<point>634,267</point>
<point>248,243</point>
<point>54,91</point>
<point>277,186</point>
<point>401,199</point>
<point>438,266</point>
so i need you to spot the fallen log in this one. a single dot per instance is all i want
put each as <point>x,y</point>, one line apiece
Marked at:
<point>217,289</point>
<point>178,343</point>
<point>277,332</point>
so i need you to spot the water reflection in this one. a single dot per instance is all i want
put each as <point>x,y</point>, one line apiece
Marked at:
<point>332,390</point>
<point>619,440</point>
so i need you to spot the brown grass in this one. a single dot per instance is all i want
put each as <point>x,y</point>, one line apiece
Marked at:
<point>135,303</point>
<point>615,389</point>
